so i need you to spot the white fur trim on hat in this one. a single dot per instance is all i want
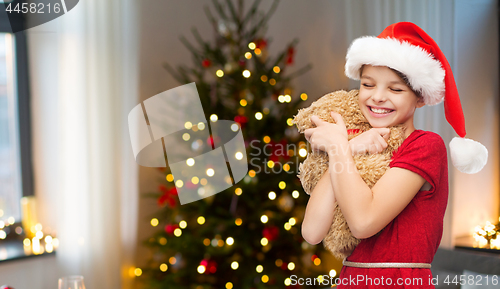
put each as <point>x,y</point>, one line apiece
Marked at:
<point>425,74</point>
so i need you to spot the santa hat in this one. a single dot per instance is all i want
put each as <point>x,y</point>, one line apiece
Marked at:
<point>406,48</point>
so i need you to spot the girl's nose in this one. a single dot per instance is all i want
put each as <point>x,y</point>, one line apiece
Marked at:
<point>379,96</point>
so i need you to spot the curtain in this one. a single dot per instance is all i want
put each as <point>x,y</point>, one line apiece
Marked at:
<point>84,80</point>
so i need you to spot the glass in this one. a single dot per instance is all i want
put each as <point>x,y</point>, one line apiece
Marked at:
<point>71,282</point>
<point>10,160</point>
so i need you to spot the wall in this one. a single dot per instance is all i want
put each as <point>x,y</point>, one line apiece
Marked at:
<point>37,272</point>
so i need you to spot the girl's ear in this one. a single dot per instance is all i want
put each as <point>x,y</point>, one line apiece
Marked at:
<point>420,102</point>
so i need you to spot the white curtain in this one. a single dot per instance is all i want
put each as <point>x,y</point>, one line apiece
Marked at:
<point>84,80</point>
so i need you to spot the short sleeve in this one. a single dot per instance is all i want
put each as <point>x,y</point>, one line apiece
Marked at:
<point>423,153</point>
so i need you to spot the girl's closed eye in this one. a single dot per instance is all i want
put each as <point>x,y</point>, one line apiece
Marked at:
<point>367,85</point>
<point>395,89</point>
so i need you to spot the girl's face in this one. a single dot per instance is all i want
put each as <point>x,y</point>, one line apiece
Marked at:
<point>385,100</point>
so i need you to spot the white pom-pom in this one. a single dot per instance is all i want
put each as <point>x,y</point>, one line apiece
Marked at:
<point>467,155</point>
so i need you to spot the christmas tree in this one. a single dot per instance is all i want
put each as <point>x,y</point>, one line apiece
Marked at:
<point>247,236</point>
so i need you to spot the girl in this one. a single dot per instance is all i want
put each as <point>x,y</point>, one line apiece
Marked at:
<point>400,219</point>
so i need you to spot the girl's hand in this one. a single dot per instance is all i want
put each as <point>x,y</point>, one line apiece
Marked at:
<point>326,136</point>
<point>372,141</point>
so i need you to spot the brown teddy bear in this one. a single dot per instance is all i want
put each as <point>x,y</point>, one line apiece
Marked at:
<point>339,240</point>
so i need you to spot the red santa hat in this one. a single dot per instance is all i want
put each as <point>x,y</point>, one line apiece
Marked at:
<point>406,48</point>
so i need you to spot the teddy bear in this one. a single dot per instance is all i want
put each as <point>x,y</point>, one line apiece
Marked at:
<point>339,239</point>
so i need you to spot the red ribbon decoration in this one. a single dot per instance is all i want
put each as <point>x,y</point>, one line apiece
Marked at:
<point>169,195</point>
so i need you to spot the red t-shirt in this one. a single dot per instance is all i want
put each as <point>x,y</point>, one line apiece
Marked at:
<point>414,235</point>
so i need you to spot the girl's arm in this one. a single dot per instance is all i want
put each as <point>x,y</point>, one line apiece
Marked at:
<point>319,211</point>
<point>367,211</point>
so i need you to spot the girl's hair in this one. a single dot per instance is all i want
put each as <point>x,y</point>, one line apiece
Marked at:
<point>402,76</point>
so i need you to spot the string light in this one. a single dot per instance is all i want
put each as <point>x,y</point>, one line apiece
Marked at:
<point>264,241</point>
<point>230,241</point>
<point>186,136</point>
<point>264,219</point>
<point>229,285</point>
<point>190,162</point>
<point>288,98</point>
<point>303,96</point>
<point>291,266</point>
<point>246,73</point>
<point>292,221</point>
<point>201,220</point>
<point>251,173</point>
<point>259,269</point>
<point>154,222</point>
<point>235,127</point>
<point>278,262</point>
<point>248,55</point>
<point>238,222</point>
<point>295,194</point>
<point>272,195</point>
<point>170,177</point>
<point>258,115</point>
<point>252,45</point>
<point>270,164</point>
<point>287,226</point>
<point>234,265</point>
<point>213,118</point>
<point>302,152</point>
<point>177,232</point>
<point>332,273</point>
<point>210,172</point>
<point>282,185</point>
<point>163,267</point>
<point>163,241</point>
<point>288,282</point>
<point>179,183</point>
<point>286,167</point>
<point>183,224</point>
<point>276,69</point>
<point>195,180</point>
<point>238,155</point>
<point>201,269</point>
<point>172,260</point>
<point>243,102</point>
<point>138,272</point>
<point>201,126</point>
<point>265,278</point>
<point>238,191</point>
<point>219,73</point>
<point>289,122</point>
<point>203,181</point>
<point>266,139</point>
<point>206,242</point>
<point>257,51</point>
<point>272,81</point>
<point>263,78</point>
<point>188,125</point>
